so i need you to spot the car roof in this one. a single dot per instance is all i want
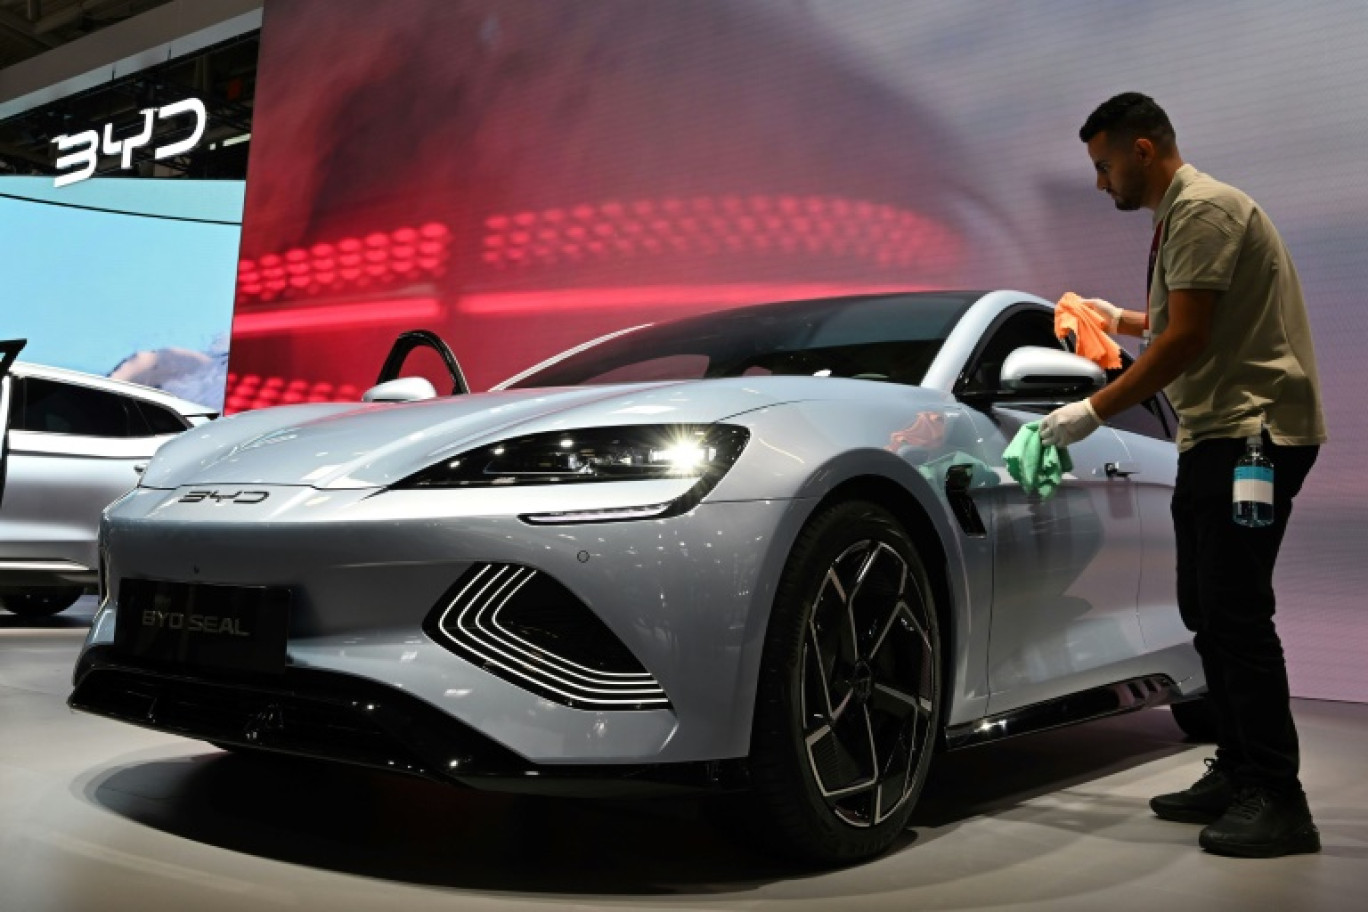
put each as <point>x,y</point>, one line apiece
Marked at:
<point>108,384</point>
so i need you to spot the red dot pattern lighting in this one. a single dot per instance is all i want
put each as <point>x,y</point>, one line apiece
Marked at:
<point>826,227</point>
<point>376,260</point>
<point>804,226</point>
<point>253,391</point>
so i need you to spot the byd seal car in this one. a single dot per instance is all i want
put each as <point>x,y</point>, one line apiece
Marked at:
<point>773,548</point>
<point>70,443</point>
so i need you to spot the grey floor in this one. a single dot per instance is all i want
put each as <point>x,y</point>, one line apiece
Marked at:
<point>95,815</point>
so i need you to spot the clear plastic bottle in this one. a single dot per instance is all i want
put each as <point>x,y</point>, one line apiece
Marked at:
<point>1253,493</point>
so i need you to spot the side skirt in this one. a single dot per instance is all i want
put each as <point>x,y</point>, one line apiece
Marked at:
<point>1099,702</point>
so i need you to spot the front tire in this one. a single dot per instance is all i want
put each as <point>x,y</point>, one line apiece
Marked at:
<point>848,703</point>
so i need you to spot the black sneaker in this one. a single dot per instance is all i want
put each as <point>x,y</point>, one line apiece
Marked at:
<point>1204,802</point>
<point>1263,824</point>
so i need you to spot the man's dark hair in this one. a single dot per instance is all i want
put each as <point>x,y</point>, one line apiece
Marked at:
<point>1130,116</point>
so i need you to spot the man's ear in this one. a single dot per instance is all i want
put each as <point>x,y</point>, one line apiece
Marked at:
<point>1144,150</point>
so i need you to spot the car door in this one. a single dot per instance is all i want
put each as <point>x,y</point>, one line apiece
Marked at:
<point>1148,432</point>
<point>70,451</point>
<point>1066,567</point>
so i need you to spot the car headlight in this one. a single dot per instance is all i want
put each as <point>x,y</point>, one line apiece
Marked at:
<point>629,453</point>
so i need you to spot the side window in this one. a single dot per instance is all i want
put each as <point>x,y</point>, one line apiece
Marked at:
<point>153,420</point>
<point>1025,327</point>
<point>1152,418</point>
<point>1146,419</point>
<point>63,408</point>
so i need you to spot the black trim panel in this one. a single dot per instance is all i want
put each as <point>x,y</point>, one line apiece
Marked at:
<point>958,479</point>
<point>1109,700</point>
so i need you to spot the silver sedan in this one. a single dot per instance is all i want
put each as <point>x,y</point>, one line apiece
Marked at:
<point>773,549</point>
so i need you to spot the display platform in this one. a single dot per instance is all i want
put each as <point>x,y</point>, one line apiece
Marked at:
<point>98,815</point>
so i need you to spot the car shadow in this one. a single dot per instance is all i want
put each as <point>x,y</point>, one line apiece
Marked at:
<point>78,615</point>
<point>11,621</point>
<point>408,830</point>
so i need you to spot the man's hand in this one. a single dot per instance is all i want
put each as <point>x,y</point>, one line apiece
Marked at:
<point>1069,424</point>
<point>1109,311</point>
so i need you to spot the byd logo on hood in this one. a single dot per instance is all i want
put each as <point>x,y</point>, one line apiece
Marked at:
<point>89,148</point>
<point>233,497</point>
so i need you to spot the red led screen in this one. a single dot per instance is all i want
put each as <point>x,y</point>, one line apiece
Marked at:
<point>522,177</point>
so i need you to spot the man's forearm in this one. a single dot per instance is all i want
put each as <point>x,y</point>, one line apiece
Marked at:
<point>1131,323</point>
<point>1159,366</point>
<point>1191,313</point>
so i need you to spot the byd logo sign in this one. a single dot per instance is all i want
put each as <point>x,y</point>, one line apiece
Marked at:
<point>233,497</point>
<point>89,147</point>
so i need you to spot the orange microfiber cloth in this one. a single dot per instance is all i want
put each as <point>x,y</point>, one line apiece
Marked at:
<point>1089,328</point>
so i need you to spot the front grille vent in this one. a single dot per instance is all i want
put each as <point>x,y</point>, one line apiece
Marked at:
<point>521,625</point>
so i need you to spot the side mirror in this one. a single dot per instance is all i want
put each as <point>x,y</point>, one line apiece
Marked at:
<point>404,389</point>
<point>1038,371</point>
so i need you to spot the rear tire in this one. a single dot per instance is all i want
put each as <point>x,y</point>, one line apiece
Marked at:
<point>848,704</point>
<point>38,603</point>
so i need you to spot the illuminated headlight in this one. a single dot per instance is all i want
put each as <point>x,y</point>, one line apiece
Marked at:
<point>631,453</point>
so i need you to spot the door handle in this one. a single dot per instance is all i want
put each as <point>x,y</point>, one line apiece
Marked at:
<point>1121,469</point>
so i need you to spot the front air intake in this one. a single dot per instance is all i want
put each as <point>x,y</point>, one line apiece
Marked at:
<point>523,626</point>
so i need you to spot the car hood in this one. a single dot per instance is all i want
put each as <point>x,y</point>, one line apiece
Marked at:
<point>362,446</point>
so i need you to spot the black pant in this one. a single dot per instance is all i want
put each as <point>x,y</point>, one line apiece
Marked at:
<point>1225,595</point>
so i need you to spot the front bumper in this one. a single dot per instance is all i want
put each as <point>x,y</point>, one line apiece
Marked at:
<point>688,596</point>
<point>339,717</point>
<point>350,719</point>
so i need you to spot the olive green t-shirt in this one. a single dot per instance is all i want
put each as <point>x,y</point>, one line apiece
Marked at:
<point>1260,367</point>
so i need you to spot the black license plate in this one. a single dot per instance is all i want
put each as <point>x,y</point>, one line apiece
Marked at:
<point>197,625</point>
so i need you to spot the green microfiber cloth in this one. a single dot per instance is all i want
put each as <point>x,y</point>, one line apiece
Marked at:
<point>1037,467</point>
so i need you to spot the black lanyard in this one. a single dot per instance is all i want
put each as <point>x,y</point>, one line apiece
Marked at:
<point>1149,273</point>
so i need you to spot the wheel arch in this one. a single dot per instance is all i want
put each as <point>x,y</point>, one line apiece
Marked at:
<point>814,822</point>
<point>926,537</point>
<point>883,478</point>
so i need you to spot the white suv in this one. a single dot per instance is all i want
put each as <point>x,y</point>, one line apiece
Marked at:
<point>70,444</point>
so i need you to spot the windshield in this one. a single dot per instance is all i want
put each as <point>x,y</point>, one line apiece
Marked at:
<point>891,338</point>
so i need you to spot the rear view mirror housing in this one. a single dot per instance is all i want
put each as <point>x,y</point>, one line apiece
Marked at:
<point>402,389</point>
<point>1032,369</point>
<point>1042,376</point>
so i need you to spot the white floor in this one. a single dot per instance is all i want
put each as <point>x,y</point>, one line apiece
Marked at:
<point>95,815</point>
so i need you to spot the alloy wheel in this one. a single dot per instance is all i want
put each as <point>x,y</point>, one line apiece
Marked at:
<point>867,680</point>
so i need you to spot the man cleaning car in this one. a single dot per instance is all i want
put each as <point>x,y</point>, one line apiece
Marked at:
<point>1231,346</point>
